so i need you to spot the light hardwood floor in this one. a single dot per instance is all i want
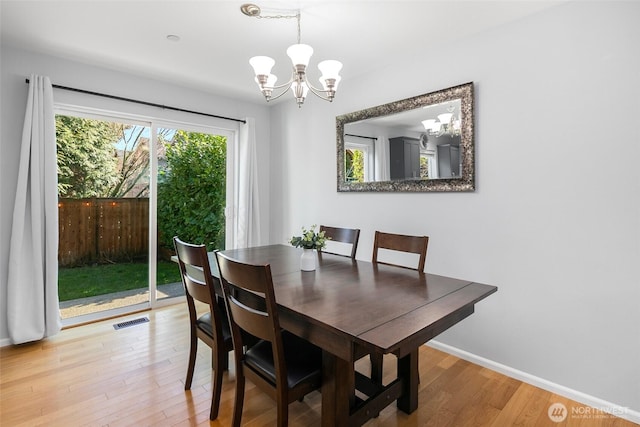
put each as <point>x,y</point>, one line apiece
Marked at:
<point>93,375</point>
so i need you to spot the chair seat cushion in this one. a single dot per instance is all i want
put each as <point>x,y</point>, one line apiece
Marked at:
<point>204,323</point>
<point>303,360</point>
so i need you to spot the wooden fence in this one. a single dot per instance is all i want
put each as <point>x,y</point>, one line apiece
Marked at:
<point>102,230</point>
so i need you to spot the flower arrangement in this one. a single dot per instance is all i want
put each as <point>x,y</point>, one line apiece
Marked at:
<point>310,239</point>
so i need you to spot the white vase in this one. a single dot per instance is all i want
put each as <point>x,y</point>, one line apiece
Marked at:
<point>308,260</point>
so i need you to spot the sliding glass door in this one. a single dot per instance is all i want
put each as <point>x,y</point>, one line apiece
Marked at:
<point>126,187</point>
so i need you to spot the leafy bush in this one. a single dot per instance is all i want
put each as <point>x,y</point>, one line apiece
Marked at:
<point>192,190</point>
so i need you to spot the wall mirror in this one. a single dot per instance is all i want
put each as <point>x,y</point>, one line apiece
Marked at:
<point>423,143</point>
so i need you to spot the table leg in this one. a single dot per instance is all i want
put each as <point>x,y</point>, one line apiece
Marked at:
<point>338,390</point>
<point>408,372</point>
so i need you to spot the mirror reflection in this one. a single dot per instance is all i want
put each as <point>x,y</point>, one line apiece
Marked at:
<point>423,143</point>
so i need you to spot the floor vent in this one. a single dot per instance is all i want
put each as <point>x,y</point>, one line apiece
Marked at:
<point>130,323</point>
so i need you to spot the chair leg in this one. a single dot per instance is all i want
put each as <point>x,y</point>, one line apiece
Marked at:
<point>193,348</point>
<point>224,360</point>
<point>283,411</point>
<point>237,406</point>
<point>218,370</point>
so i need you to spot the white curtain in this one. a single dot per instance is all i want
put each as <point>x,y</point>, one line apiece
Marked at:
<point>32,291</point>
<point>247,213</point>
<point>382,159</point>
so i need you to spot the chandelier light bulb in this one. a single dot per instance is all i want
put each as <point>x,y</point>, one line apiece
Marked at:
<point>262,65</point>
<point>330,69</point>
<point>429,124</point>
<point>271,81</point>
<point>300,54</point>
<point>445,118</point>
<point>268,83</point>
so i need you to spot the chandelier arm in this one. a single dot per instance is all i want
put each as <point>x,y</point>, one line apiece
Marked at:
<point>287,84</point>
<point>273,98</point>
<point>318,92</point>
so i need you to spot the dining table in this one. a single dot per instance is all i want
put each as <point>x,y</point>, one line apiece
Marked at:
<point>351,308</point>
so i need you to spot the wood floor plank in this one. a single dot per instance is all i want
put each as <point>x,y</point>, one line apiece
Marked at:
<point>93,375</point>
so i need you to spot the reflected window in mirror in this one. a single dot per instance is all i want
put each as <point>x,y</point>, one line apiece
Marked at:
<point>426,165</point>
<point>359,154</point>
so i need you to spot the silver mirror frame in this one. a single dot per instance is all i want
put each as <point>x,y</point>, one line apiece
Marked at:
<point>464,92</point>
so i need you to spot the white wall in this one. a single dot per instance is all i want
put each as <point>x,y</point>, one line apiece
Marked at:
<point>16,65</point>
<point>555,219</point>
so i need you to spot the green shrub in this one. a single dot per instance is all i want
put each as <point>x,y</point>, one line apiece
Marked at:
<point>192,190</point>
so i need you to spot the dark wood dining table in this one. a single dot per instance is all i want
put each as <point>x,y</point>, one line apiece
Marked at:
<point>351,308</point>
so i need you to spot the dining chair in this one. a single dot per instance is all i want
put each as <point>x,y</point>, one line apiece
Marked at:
<point>281,364</point>
<point>211,327</point>
<point>401,243</point>
<point>343,235</point>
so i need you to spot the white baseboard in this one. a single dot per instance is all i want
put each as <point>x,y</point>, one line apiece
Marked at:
<point>5,342</point>
<point>594,402</point>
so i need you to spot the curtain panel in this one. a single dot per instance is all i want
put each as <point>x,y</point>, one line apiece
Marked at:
<point>247,217</point>
<point>32,292</point>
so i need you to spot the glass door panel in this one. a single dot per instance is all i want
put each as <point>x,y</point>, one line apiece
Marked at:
<point>103,186</point>
<point>191,198</point>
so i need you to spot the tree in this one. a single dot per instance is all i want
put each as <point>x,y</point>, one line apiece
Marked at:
<point>102,159</point>
<point>86,156</point>
<point>192,190</point>
<point>424,167</point>
<point>354,160</point>
<point>133,163</point>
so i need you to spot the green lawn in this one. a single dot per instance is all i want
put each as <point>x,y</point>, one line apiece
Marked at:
<point>82,282</point>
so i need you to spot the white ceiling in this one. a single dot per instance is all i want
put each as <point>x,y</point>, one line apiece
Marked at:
<point>217,40</point>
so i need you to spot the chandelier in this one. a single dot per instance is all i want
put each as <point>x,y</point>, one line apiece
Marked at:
<point>300,55</point>
<point>446,124</point>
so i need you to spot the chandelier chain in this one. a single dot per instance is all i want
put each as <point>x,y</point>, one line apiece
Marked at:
<point>296,16</point>
<point>276,16</point>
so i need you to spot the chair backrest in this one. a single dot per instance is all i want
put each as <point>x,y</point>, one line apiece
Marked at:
<point>255,311</point>
<point>195,271</point>
<point>403,243</point>
<point>199,283</point>
<point>342,235</point>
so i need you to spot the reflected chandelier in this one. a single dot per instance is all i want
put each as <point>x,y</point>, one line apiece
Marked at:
<point>300,55</point>
<point>447,124</point>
